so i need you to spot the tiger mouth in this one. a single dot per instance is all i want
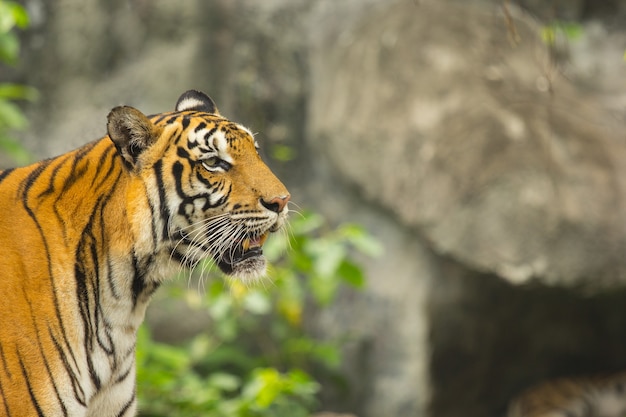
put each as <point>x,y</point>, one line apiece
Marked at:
<point>247,253</point>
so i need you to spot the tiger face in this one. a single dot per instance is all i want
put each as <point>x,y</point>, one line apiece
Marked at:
<point>226,199</point>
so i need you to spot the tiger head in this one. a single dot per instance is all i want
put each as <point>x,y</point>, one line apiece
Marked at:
<point>209,192</point>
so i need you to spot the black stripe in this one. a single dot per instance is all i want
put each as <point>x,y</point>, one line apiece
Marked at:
<point>164,211</point>
<point>203,180</point>
<point>182,152</point>
<point>91,253</point>
<point>125,375</point>
<point>103,237</point>
<point>110,280</point>
<point>32,177</point>
<point>82,293</point>
<point>86,251</point>
<point>4,363</point>
<point>177,256</point>
<point>99,317</point>
<point>177,174</point>
<point>200,126</point>
<point>50,190</point>
<point>79,394</point>
<point>158,118</point>
<point>225,197</point>
<point>30,388</point>
<point>127,405</point>
<point>44,355</point>
<point>5,173</point>
<point>106,345</point>
<point>153,229</point>
<point>4,400</point>
<point>24,189</point>
<point>208,134</point>
<point>75,173</point>
<point>106,155</point>
<point>53,175</point>
<point>171,119</point>
<point>93,374</point>
<point>138,283</point>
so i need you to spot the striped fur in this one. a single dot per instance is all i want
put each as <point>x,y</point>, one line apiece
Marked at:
<point>599,396</point>
<point>88,236</point>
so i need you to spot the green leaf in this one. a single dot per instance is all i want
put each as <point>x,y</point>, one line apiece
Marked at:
<point>301,383</point>
<point>257,303</point>
<point>7,19</point>
<point>200,346</point>
<point>275,246</point>
<point>18,92</point>
<point>361,239</point>
<point>571,32</point>
<point>9,48</point>
<point>327,255</point>
<point>323,288</point>
<point>283,153</point>
<point>221,306</point>
<point>11,117</point>
<point>290,302</point>
<point>229,356</point>
<point>11,15</point>
<point>224,381</point>
<point>307,347</point>
<point>306,223</point>
<point>170,357</point>
<point>20,16</point>
<point>351,274</point>
<point>263,387</point>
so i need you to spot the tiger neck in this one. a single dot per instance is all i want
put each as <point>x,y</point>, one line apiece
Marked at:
<point>118,233</point>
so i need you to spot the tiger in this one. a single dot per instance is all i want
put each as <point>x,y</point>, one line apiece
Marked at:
<point>593,396</point>
<point>88,236</point>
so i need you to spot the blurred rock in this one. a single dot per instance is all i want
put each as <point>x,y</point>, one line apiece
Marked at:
<point>473,139</point>
<point>454,120</point>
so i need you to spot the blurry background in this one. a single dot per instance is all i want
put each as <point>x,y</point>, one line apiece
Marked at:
<point>480,143</point>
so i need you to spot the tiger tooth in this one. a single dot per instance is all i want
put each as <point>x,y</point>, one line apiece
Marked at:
<point>263,238</point>
<point>246,244</point>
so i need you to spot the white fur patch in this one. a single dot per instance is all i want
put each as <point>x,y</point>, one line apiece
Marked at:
<point>189,103</point>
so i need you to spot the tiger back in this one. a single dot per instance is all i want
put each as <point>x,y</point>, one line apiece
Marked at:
<point>593,396</point>
<point>88,236</point>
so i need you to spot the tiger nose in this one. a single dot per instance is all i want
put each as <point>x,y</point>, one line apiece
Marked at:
<point>276,204</point>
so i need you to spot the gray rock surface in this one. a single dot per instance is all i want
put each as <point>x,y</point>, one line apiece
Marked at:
<point>476,141</point>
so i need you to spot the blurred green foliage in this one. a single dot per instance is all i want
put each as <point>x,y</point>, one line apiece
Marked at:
<point>12,16</point>
<point>283,153</point>
<point>567,30</point>
<point>257,358</point>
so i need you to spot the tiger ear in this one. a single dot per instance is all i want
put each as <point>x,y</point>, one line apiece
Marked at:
<point>196,100</point>
<point>131,132</point>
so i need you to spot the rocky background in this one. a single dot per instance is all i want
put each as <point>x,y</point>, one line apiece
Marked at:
<point>489,162</point>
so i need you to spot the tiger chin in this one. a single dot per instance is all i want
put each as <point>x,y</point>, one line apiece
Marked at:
<point>88,236</point>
